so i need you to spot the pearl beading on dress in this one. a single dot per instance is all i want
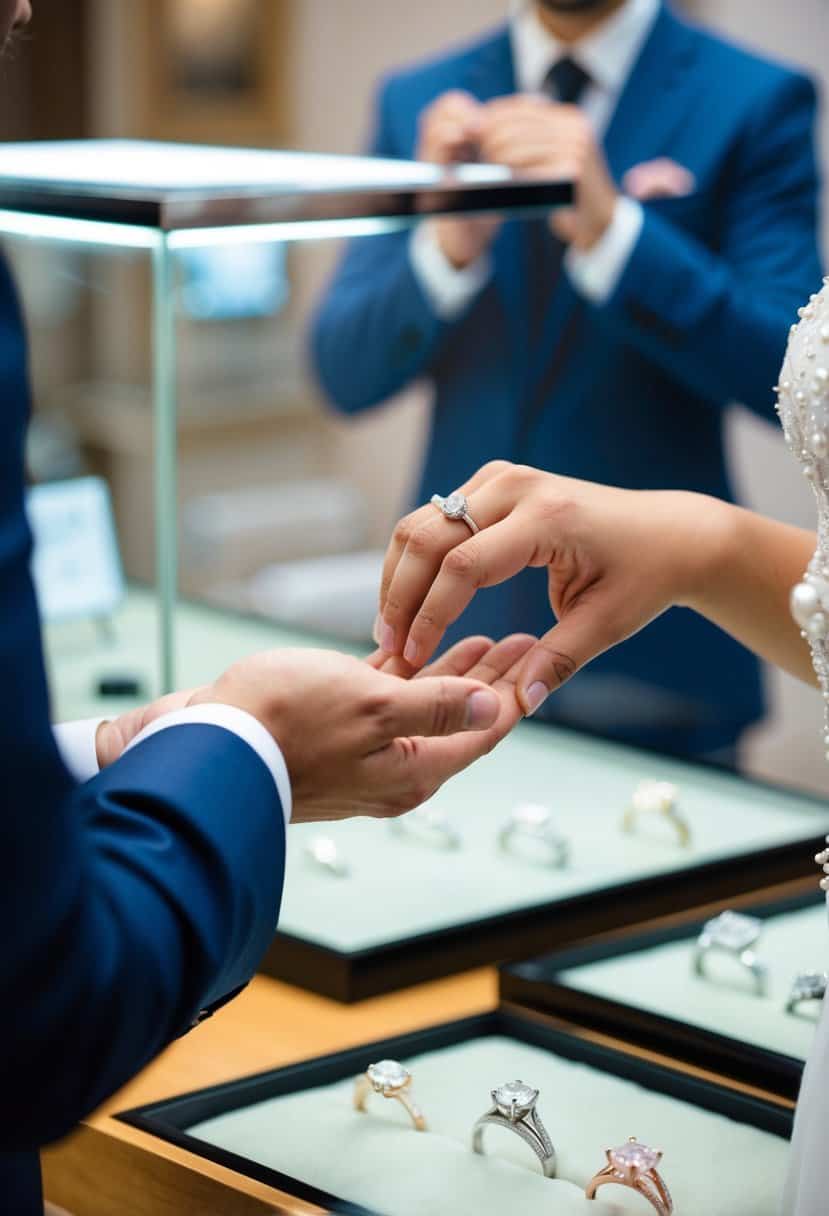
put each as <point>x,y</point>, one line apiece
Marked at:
<point>803,408</point>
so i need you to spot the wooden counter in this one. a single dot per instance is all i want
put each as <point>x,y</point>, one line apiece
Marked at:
<point>106,1168</point>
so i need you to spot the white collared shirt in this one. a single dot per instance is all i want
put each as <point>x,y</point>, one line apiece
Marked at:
<point>608,55</point>
<point>76,742</point>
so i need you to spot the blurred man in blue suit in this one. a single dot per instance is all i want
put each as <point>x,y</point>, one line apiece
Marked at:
<point>136,899</point>
<point>608,342</point>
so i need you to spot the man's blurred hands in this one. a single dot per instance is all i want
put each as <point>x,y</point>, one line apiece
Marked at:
<point>450,132</point>
<point>361,738</point>
<point>529,134</point>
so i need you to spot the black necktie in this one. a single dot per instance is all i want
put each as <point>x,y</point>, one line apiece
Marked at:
<point>566,81</point>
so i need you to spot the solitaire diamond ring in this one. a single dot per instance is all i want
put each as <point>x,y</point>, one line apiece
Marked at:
<point>529,833</point>
<point>807,986</point>
<point>513,1107</point>
<point>735,934</point>
<point>634,1165</point>
<point>455,507</point>
<point>660,798</point>
<point>391,1080</point>
<point>428,826</point>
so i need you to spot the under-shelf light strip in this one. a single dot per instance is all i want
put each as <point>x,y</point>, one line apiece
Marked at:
<point>132,236</point>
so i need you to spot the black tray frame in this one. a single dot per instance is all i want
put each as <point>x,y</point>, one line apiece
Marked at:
<point>535,984</point>
<point>171,1118</point>
<point>349,976</point>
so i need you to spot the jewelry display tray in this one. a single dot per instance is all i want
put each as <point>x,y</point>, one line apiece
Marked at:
<point>642,987</point>
<point>731,1129</point>
<point>409,913</point>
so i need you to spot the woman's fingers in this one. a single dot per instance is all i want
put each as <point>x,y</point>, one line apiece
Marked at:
<point>494,555</point>
<point>427,546</point>
<point>587,629</point>
<point>460,660</point>
<point>423,516</point>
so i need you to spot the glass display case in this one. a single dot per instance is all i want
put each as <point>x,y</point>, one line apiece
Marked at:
<point>194,500</point>
<point>168,290</point>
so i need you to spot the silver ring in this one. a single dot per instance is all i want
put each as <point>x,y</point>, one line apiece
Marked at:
<point>455,507</point>
<point>513,1107</point>
<point>322,852</point>
<point>807,986</point>
<point>428,826</point>
<point>735,934</point>
<point>533,825</point>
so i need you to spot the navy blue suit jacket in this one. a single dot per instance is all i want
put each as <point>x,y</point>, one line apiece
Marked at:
<point>631,393</point>
<point>128,904</point>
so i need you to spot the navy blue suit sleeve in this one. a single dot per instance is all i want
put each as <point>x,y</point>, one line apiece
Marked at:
<point>719,320</point>
<point>129,903</point>
<point>375,330</point>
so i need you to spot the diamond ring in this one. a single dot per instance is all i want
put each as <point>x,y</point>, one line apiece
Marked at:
<point>735,934</point>
<point>455,507</point>
<point>426,825</point>
<point>660,798</point>
<point>391,1080</point>
<point>634,1165</point>
<point>513,1107</point>
<point>531,825</point>
<point>322,852</point>
<point>807,986</point>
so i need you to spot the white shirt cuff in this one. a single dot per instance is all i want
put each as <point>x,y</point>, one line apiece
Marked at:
<point>595,272</point>
<point>249,729</point>
<point>448,289</point>
<point>76,744</point>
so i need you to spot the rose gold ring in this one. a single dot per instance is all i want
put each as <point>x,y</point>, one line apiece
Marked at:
<point>391,1080</point>
<point>634,1165</point>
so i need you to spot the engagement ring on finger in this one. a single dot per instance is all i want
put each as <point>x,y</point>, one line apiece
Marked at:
<point>657,798</point>
<point>634,1165</point>
<point>735,934</point>
<point>513,1108</point>
<point>428,826</point>
<point>391,1080</point>
<point>455,507</point>
<point>529,833</point>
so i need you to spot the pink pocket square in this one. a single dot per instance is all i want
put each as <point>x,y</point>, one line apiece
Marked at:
<point>660,178</point>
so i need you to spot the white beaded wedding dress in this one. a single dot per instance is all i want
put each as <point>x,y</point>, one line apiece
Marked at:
<point>804,412</point>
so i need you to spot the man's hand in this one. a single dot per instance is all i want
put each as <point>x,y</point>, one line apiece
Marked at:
<point>113,736</point>
<point>449,134</point>
<point>362,741</point>
<point>532,135</point>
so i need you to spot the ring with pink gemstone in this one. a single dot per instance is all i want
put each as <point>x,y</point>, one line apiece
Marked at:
<point>391,1080</point>
<point>634,1165</point>
<point>514,1108</point>
<point>455,506</point>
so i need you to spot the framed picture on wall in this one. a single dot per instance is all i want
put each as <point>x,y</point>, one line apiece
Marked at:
<point>213,69</point>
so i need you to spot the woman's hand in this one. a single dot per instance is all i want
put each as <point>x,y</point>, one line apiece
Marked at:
<point>616,559</point>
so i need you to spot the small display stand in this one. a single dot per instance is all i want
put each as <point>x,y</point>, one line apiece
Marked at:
<point>644,987</point>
